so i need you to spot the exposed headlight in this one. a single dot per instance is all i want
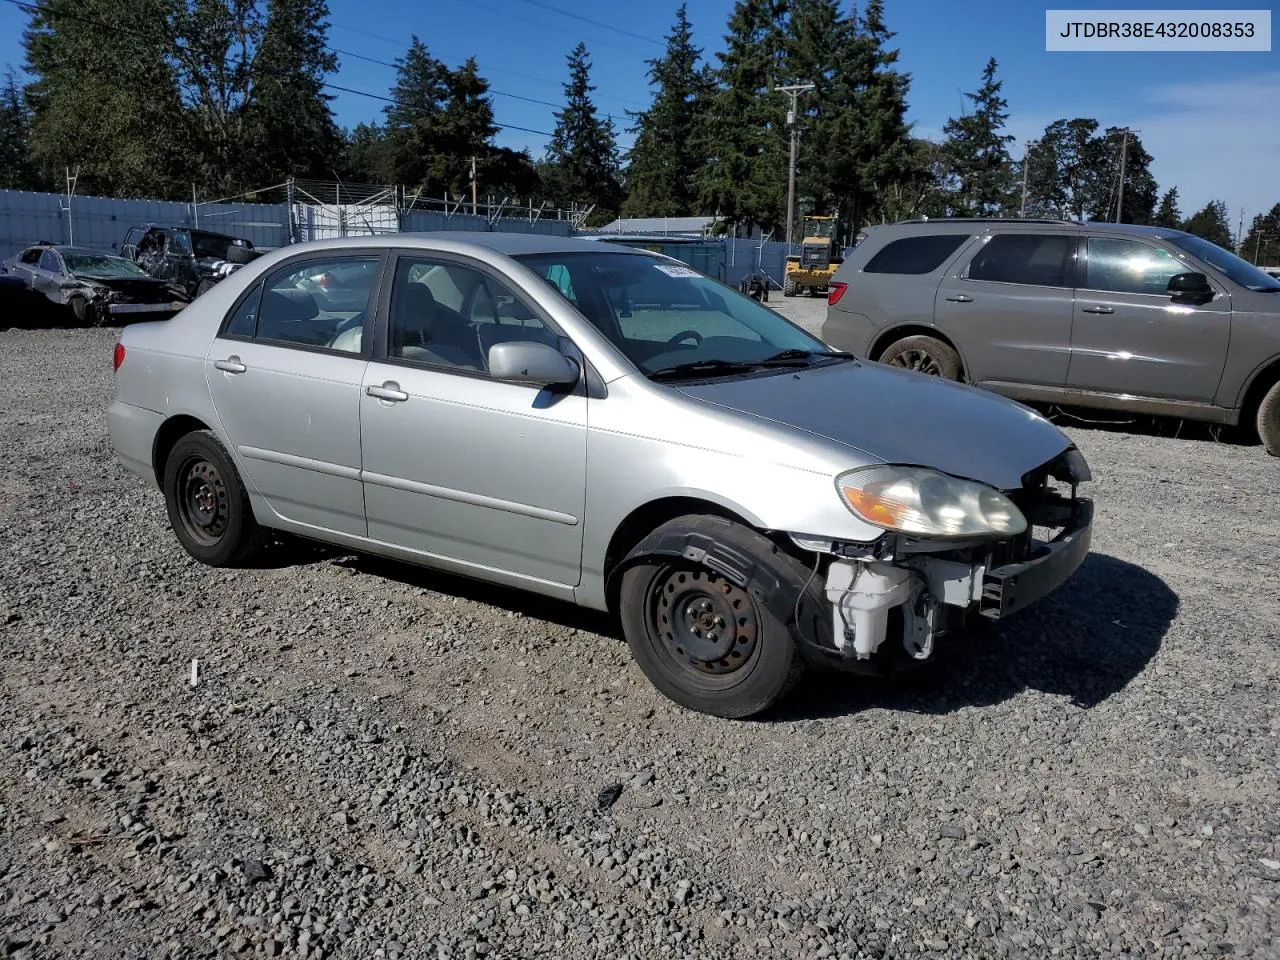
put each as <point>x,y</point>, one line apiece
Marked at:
<point>927,503</point>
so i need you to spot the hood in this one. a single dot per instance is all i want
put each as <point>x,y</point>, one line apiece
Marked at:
<point>899,417</point>
<point>145,287</point>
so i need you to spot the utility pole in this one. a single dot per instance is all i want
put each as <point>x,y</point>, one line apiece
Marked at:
<point>1240,233</point>
<point>1026,168</point>
<point>473,186</point>
<point>1124,150</point>
<point>793,91</point>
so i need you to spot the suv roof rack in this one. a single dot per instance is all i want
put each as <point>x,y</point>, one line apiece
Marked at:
<point>986,220</point>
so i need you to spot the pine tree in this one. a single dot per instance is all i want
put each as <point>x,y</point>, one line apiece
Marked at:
<point>977,152</point>
<point>290,123</point>
<point>815,33</point>
<point>872,132</point>
<point>1140,190</point>
<point>1262,243</point>
<point>1211,223</point>
<point>744,136</point>
<point>367,155</point>
<point>1168,215</point>
<point>581,164</point>
<point>667,153</point>
<point>413,120</point>
<point>17,166</point>
<point>104,96</point>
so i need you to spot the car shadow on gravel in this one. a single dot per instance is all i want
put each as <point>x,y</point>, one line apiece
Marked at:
<point>526,604</point>
<point>1086,641</point>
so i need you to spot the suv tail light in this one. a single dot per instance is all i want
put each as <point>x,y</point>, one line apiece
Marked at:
<point>835,290</point>
<point>118,357</point>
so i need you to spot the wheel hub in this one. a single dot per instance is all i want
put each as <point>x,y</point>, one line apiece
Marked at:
<point>919,360</point>
<point>704,621</point>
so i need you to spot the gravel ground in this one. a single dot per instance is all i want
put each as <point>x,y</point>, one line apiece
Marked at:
<point>379,761</point>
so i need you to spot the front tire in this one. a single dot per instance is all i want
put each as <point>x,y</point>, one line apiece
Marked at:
<point>702,640</point>
<point>208,504</point>
<point>1269,420</point>
<point>924,355</point>
<point>789,287</point>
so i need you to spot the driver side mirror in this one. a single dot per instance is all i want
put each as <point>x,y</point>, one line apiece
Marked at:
<point>1190,287</point>
<point>525,361</point>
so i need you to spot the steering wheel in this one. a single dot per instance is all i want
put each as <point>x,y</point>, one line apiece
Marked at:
<point>685,335</point>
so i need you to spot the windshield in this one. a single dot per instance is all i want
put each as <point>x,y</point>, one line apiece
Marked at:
<point>98,265</point>
<point>662,314</point>
<point>1239,271</point>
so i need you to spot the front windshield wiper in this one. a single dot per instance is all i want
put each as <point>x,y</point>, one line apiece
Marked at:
<point>695,368</point>
<point>802,358</point>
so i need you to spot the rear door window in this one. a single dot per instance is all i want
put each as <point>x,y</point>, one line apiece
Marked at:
<point>1036,259</point>
<point>915,255</point>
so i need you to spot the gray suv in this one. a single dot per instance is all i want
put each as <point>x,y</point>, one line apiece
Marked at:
<point>1113,316</point>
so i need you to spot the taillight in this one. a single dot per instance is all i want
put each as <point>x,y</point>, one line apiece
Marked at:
<point>835,290</point>
<point>118,358</point>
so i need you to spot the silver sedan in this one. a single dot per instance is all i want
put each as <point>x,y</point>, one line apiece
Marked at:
<point>606,426</point>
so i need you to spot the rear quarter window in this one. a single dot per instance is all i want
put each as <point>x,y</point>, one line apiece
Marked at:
<point>915,255</point>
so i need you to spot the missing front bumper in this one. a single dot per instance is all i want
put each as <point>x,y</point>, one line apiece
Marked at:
<point>1011,587</point>
<point>925,591</point>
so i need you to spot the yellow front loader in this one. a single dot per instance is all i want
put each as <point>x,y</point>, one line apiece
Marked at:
<point>820,255</point>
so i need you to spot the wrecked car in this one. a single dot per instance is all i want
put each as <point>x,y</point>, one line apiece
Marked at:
<point>97,287</point>
<point>190,258</point>
<point>608,427</point>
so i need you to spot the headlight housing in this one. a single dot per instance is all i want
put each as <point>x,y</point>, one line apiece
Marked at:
<point>927,503</point>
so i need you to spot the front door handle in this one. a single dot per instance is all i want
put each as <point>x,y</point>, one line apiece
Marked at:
<point>961,298</point>
<point>230,365</point>
<point>1096,309</point>
<point>388,391</point>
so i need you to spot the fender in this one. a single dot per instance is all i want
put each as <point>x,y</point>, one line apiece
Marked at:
<point>697,541</point>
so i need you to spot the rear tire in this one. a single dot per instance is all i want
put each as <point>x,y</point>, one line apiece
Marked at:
<point>1269,420</point>
<point>207,503</point>
<point>702,640</point>
<point>789,287</point>
<point>923,355</point>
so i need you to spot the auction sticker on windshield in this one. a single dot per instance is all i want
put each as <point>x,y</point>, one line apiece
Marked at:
<point>674,271</point>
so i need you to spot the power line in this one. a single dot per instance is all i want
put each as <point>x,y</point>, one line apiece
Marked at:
<point>496,93</point>
<point>488,68</point>
<point>32,8</point>
<point>594,23</point>
<point>544,26</point>
<point>378,96</point>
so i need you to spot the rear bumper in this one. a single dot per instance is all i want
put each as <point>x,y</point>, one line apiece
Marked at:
<point>133,434</point>
<point>1008,589</point>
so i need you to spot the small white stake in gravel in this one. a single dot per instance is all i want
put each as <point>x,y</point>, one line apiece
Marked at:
<point>195,673</point>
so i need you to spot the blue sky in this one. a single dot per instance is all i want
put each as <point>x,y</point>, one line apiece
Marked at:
<point>1211,120</point>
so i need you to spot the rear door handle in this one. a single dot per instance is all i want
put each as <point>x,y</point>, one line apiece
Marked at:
<point>230,365</point>
<point>961,298</point>
<point>388,391</point>
<point>1097,310</point>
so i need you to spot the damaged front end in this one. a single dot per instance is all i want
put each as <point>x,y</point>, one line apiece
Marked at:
<point>108,297</point>
<point>890,600</point>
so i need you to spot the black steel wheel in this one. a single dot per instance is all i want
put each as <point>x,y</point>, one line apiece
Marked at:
<point>207,503</point>
<point>925,355</point>
<point>707,624</point>
<point>704,641</point>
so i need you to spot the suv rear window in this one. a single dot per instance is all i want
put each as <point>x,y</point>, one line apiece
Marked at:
<point>1039,259</point>
<point>915,255</point>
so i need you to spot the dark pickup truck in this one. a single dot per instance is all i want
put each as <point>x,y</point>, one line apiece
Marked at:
<point>187,257</point>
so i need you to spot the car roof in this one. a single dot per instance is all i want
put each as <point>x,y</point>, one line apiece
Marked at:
<point>1033,223</point>
<point>511,244</point>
